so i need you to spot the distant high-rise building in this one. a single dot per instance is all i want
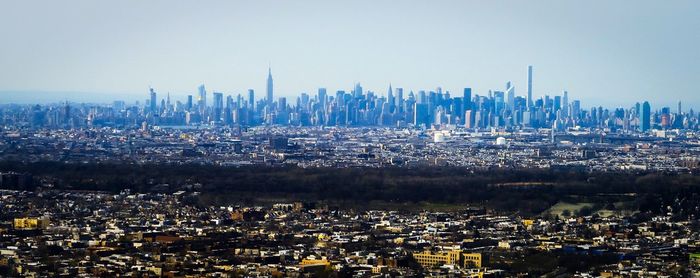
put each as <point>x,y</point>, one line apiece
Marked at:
<point>218,106</point>
<point>399,99</point>
<point>357,92</point>
<point>467,99</point>
<point>565,104</point>
<point>340,98</point>
<point>269,99</point>
<point>153,101</point>
<point>469,119</point>
<point>645,117</point>
<point>390,99</point>
<point>499,100</point>
<point>322,96</point>
<point>510,96</point>
<point>576,109</point>
<point>421,114</point>
<point>529,87</point>
<point>202,99</point>
<point>282,102</point>
<point>251,99</point>
<point>189,102</point>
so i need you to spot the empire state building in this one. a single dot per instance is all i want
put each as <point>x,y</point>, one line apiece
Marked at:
<point>269,89</point>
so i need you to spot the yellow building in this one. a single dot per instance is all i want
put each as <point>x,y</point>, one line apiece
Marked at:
<point>429,259</point>
<point>31,223</point>
<point>311,261</point>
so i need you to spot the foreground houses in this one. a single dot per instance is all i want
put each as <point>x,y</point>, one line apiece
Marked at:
<point>87,234</point>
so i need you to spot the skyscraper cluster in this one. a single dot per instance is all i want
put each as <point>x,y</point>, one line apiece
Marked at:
<point>499,108</point>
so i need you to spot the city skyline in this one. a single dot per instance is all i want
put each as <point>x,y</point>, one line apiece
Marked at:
<point>510,93</point>
<point>509,96</point>
<point>643,52</point>
<point>438,108</point>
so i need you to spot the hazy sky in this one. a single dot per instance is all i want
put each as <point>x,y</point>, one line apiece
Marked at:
<point>603,52</point>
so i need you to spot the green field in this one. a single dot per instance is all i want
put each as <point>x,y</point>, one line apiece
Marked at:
<point>574,209</point>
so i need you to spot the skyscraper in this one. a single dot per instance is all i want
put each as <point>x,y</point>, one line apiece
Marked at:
<point>357,92</point>
<point>218,106</point>
<point>202,99</point>
<point>565,104</point>
<point>153,107</point>
<point>469,119</point>
<point>467,99</point>
<point>510,96</point>
<point>420,114</point>
<point>269,99</point>
<point>646,117</point>
<point>529,87</point>
<point>322,96</point>
<point>251,99</point>
<point>390,99</point>
<point>399,99</point>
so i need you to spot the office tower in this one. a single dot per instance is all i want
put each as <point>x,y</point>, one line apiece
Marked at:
<point>565,104</point>
<point>189,102</point>
<point>390,99</point>
<point>469,119</point>
<point>422,98</point>
<point>202,99</point>
<point>282,103</point>
<point>228,112</point>
<point>269,99</point>
<point>665,117</point>
<point>218,105</point>
<point>303,102</point>
<point>340,98</point>
<point>322,96</point>
<point>576,109</point>
<point>457,108</point>
<point>467,99</point>
<point>680,111</point>
<point>439,116</point>
<point>385,116</point>
<point>118,105</point>
<point>153,107</point>
<point>646,117</point>
<point>350,113</point>
<point>498,98</point>
<point>399,99</point>
<point>529,87</point>
<point>357,92</point>
<point>420,114</point>
<point>510,96</point>
<point>251,99</point>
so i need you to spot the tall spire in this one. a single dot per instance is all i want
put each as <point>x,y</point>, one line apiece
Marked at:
<point>270,100</point>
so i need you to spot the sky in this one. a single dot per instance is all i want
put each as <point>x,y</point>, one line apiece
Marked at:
<point>610,53</point>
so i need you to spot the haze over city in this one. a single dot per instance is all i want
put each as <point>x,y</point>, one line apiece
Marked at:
<point>105,51</point>
<point>338,139</point>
